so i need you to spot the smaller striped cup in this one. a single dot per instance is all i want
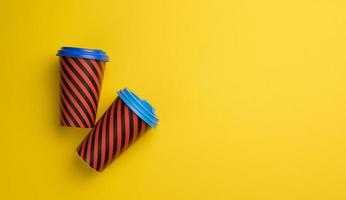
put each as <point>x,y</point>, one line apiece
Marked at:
<point>81,76</point>
<point>121,125</point>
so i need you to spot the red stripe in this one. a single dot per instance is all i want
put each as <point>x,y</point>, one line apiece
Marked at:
<point>127,126</point>
<point>111,133</point>
<point>103,144</point>
<point>79,123</point>
<point>97,68</point>
<point>96,143</point>
<point>135,127</point>
<point>84,76</point>
<point>143,127</point>
<point>118,127</point>
<point>91,72</point>
<point>80,84</point>
<point>80,110</point>
<point>80,97</point>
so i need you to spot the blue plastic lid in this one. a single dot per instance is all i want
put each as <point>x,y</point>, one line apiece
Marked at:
<point>83,53</point>
<point>139,106</point>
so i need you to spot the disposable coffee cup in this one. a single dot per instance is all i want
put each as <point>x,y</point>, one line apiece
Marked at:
<point>81,75</point>
<point>121,125</point>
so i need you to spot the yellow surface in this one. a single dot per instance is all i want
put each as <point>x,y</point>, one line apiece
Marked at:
<point>251,97</point>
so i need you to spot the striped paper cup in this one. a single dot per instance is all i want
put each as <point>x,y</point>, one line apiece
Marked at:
<point>120,126</point>
<point>81,77</point>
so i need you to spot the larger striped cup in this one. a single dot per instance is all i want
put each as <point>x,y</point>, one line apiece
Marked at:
<point>81,77</point>
<point>121,125</point>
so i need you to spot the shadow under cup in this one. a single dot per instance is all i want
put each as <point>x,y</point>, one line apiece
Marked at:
<point>121,125</point>
<point>81,75</point>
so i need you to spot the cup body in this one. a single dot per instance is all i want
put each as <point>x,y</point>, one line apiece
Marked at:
<point>80,85</point>
<point>115,131</point>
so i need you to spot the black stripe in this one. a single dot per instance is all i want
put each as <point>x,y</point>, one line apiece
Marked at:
<point>81,79</point>
<point>81,66</point>
<point>92,149</point>
<point>85,111</point>
<point>80,149</point>
<point>115,138</point>
<point>100,66</point>
<point>107,136</point>
<point>74,109</point>
<point>86,147</point>
<point>95,129</point>
<point>79,89</point>
<point>99,153</point>
<point>95,70</point>
<point>63,120</point>
<point>139,125</point>
<point>69,113</point>
<point>122,126</point>
<point>63,116</point>
<point>131,125</point>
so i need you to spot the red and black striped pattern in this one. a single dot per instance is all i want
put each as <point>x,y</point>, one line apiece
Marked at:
<point>80,86</point>
<point>115,131</point>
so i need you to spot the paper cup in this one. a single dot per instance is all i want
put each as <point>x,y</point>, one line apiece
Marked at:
<point>81,78</point>
<point>120,126</point>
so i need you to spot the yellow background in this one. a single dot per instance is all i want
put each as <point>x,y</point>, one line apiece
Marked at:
<point>251,97</point>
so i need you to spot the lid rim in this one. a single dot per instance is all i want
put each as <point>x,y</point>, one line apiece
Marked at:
<point>144,111</point>
<point>77,52</point>
<point>140,112</point>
